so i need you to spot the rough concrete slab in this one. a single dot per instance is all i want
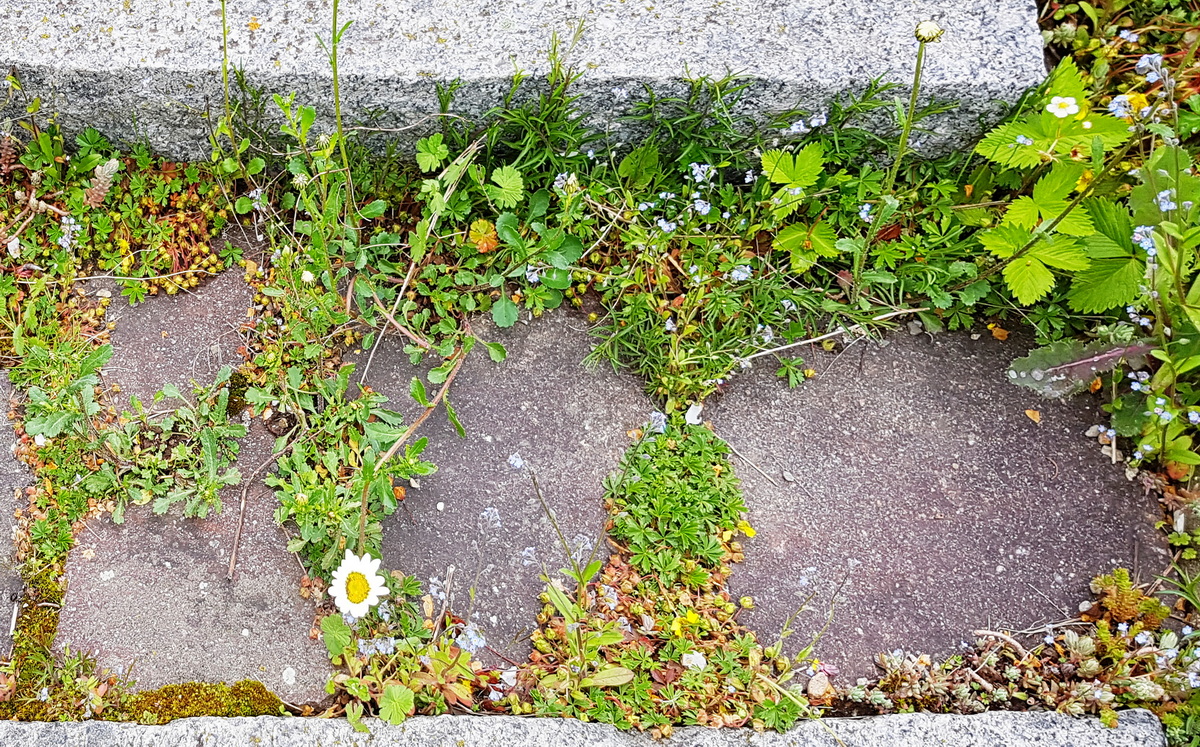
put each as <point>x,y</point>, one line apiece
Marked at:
<point>152,595</point>
<point>1135,729</point>
<point>151,68</point>
<point>568,424</point>
<point>177,339</point>
<point>917,471</point>
<point>14,478</point>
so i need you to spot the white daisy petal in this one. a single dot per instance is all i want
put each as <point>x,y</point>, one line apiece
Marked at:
<point>355,586</point>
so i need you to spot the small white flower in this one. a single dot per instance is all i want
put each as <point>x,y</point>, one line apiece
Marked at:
<point>307,276</point>
<point>694,660</point>
<point>515,461</point>
<point>1062,106</point>
<point>14,247</point>
<point>356,586</point>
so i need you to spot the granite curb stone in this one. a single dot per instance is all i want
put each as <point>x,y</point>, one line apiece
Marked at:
<point>152,68</point>
<point>998,729</point>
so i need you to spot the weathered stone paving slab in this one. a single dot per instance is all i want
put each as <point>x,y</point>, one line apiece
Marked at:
<point>152,595</point>
<point>569,425</point>
<point>915,469</point>
<point>999,729</point>
<point>14,478</point>
<point>175,339</point>
<point>152,69</point>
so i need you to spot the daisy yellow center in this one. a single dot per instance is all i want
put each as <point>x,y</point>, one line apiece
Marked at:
<point>357,587</point>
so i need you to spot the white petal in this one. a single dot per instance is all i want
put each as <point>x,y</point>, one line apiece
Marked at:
<point>692,417</point>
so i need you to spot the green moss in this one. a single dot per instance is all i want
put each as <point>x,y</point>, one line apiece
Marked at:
<point>245,698</point>
<point>32,659</point>
<point>238,384</point>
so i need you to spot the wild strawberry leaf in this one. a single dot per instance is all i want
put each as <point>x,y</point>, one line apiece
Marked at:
<point>1028,279</point>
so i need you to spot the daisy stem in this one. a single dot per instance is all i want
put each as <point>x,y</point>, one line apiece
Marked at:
<point>889,184</point>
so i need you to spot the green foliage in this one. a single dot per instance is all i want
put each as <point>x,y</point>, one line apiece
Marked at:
<point>674,497</point>
<point>329,466</point>
<point>182,457</point>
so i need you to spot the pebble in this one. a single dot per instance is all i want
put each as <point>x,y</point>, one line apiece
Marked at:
<point>441,506</point>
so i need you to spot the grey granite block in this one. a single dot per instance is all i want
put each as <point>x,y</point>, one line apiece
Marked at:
<point>152,68</point>
<point>1135,729</point>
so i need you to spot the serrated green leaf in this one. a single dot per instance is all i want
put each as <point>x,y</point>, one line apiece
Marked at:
<point>1075,223</point>
<point>396,704</point>
<point>1061,253</point>
<point>975,292</point>
<point>509,187</point>
<point>798,171</point>
<point>1065,80</point>
<point>1028,279</point>
<point>1057,184</point>
<point>431,152</point>
<point>1023,213</point>
<point>1113,278</point>
<point>1003,240</point>
<point>1002,146</point>
<point>336,634</point>
<point>805,244</point>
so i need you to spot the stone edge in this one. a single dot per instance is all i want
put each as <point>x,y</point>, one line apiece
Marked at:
<point>1136,728</point>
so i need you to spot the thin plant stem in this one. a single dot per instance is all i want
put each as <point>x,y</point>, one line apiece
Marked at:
<point>889,184</point>
<point>337,98</point>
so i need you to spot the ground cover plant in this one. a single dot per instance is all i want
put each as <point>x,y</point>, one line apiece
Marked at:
<point>711,245</point>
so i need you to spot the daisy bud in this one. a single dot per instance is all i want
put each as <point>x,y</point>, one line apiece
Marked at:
<point>929,31</point>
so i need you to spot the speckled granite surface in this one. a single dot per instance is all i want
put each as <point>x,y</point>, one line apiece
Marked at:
<point>152,67</point>
<point>1135,729</point>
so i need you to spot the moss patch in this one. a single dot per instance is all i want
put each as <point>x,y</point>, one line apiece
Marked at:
<point>245,698</point>
<point>32,661</point>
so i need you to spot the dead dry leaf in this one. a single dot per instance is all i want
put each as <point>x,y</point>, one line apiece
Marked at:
<point>1034,415</point>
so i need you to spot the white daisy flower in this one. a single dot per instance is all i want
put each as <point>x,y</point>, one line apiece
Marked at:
<point>307,276</point>
<point>356,585</point>
<point>1062,106</point>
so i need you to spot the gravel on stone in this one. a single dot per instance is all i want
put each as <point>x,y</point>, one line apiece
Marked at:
<point>997,729</point>
<point>912,474</point>
<point>477,514</point>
